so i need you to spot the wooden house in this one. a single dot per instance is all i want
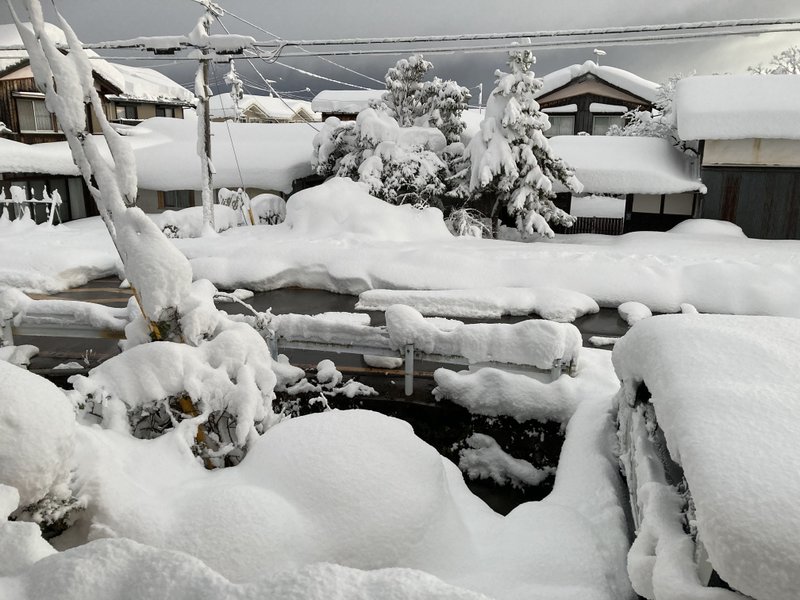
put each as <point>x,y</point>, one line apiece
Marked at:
<point>748,127</point>
<point>590,99</point>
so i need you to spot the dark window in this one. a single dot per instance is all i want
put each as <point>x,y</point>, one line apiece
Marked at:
<point>561,125</point>
<point>127,112</point>
<point>602,123</point>
<point>178,199</point>
<point>34,116</point>
<point>165,111</point>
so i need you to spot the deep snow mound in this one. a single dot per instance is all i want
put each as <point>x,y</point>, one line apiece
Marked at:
<point>341,207</point>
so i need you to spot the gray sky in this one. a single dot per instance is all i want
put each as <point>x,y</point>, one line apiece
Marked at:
<point>97,20</point>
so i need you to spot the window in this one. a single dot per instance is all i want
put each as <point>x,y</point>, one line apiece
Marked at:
<point>602,123</point>
<point>34,116</point>
<point>177,199</point>
<point>647,203</point>
<point>679,204</point>
<point>127,112</point>
<point>561,125</point>
<point>165,111</point>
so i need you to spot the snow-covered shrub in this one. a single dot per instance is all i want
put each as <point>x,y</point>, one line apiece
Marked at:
<point>37,430</point>
<point>268,209</point>
<point>467,222</point>
<point>511,159</point>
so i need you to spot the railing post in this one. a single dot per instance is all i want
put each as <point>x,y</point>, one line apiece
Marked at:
<point>409,368</point>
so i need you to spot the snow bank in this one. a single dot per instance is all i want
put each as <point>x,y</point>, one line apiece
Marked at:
<point>21,544</point>
<point>537,343</point>
<point>550,303</point>
<point>708,227</point>
<point>342,208</point>
<point>37,427</point>
<point>610,164</point>
<point>724,391</point>
<point>633,312</point>
<point>732,107</point>
<point>75,575</point>
<point>24,310</point>
<point>494,392</point>
<point>268,209</point>
<point>50,158</point>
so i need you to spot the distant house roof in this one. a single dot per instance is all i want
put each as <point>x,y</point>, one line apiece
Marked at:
<point>344,101</point>
<point>279,109</point>
<point>620,78</point>
<point>607,164</point>
<point>134,83</point>
<point>729,107</point>
<point>267,155</point>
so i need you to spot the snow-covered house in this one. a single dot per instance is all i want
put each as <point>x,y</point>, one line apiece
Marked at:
<point>129,94</point>
<point>591,98</point>
<point>629,183</point>
<point>262,109</point>
<point>749,132</point>
<point>344,104</point>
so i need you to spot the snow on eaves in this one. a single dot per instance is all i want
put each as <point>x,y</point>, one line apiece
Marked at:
<point>52,159</point>
<point>625,165</point>
<point>733,107</point>
<point>617,77</point>
<point>344,101</point>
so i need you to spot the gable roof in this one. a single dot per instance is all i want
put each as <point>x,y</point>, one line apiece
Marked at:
<point>619,78</point>
<point>281,109</point>
<point>134,83</point>
<point>730,107</point>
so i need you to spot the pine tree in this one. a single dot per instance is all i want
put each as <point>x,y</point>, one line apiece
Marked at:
<point>404,88</point>
<point>511,159</point>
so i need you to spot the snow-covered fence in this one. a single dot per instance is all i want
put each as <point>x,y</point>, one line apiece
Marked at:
<point>601,225</point>
<point>529,346</point>
<point>19,207</point>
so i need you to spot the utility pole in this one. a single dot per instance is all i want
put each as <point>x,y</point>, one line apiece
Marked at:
<point>200,37</point>
<point>480,97</point>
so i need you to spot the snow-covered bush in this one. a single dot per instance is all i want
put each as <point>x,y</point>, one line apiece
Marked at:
<point>37,431</point>
<point>510,160</point>
<point>467,222</point>
<point>268,209</point>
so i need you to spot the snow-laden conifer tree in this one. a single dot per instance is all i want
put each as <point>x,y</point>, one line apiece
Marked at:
<point>444,101</point>
<point>404,88</point>
<point>511,159</point>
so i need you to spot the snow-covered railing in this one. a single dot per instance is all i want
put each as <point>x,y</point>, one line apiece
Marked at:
<point>534,345</point>
<point>24,206</point>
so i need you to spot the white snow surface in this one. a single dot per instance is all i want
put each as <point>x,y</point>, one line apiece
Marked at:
<point>348,487</point>
<point>485,459</point>
<point>599,107</point>
<point>534,342</point>
<point>733,107</point>
<point>612,164</point>
<point>633,312</point>
<point>281,109</point>
<point>345,101</point>
<point>716,274</point>
<point>708,227</point>
<point>724,390</point>
<point>49,158</point>
<point>494,392</point>
<point>550,303</point>
<point>613,75</point>
<point>37,429</point>
<point>188,222</point>
<point>554,110</point>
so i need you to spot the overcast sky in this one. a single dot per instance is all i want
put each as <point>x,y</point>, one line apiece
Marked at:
<point>98,20</point>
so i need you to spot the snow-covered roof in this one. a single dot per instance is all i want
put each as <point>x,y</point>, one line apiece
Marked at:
<point>607,164</point>
<point>135,83</point>
<point>617,77</point>
<point>730,107</point>
<point>268,155</point>
<point>725,390</point>
<point>282,109</point>
<point>344,101</point>
<point>52,159</point>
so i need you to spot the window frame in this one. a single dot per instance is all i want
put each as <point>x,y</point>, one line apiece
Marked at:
<point>34,102</point>
<point>561,117</point>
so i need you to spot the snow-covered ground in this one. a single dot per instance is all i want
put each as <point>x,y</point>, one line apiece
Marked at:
<point>336,237</point>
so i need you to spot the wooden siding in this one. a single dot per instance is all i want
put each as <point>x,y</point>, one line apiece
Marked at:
<point>764,202</point>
